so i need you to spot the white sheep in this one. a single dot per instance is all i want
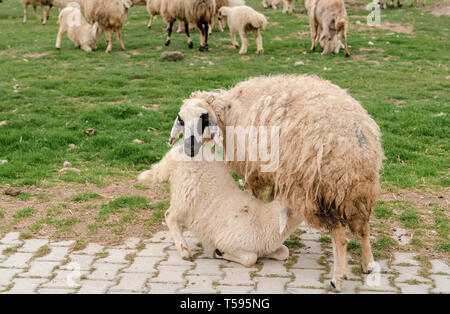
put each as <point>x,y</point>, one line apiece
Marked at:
<point>324,161</point>
<point>194,12</point>
<point>242,20</point>
<point>34,3</point>
<point>205,199</point>
<point>82,34</point>
<point>153,9</point>
<point>225,3</point>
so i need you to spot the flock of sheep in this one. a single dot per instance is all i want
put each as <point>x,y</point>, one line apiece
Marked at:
<point>328,20</point>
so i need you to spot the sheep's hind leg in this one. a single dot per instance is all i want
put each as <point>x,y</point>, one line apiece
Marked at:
<point>245,258</point>
<point>280,254</point>
<point>244,41</point>
<point>44,15</point>
<point>367,256</point>
<point>177,234</point>
<point>59,37</point>
<point>109,40</point>
<point>24,13</point>
<point>340,258</point>
<point>169,33</point>
<point>119,38</point>
<point>259,45</point>
<point>233,39</point>
<point>186,29</point>
<point>203,36</point>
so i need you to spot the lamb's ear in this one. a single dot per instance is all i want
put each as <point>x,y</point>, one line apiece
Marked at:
<point>176,131</point>
<point>214,129</point>
<point>222,12</point>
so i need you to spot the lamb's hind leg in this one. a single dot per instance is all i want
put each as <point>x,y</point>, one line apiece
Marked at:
<point>280,254</point>
<point>245,258</point>
<point>367,256</point>
<point>177,234</point>
<point>340,258</point>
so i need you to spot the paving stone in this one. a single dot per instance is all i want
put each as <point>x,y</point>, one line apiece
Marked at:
<point>91,249</point>
<point>63,243</point>
<point>442,283</point>
<point>237,276</point>
<point>55,291</point>
<point>414,289</point>
<point>405,258</point>
<point>174,259</point>
<point>308,261</point>
<point>105,271</point>
<point>117,256</point>
<point>64,279</point>
<point>306,278</point>
<point>350,286</point>
<point>57,254</point>
<point>162,236</point>
<point>311,247</point>
<point>439,267</point>
<point>83,261</point>
<point>17,260</point>
<point>210,267</point>
<point>143,265</point>
<point>164,288</point>
<point>94,286</point>
<point>130,243</point>
<point>266,285</point>
<point>131,282</point>
<point>310,235</point>
<point>7,274</point>
<point>25,286</point>
<point>377,282</point>
<point>377,292</point>
<point>200,284</point>
<point>170,274</point>
<point>154,250</point>
<point>40,269</point>
<point>409,273</point>
<point>11,238</point>
<point>235,289</point>
<point>32,245</point>
<point>273,268</point>
<point>305,291</point>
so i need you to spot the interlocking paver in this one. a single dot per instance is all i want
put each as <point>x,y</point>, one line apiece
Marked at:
<point>305,291</point>
<point>57,254</point>
<point>117,256</point>
<point>209,267</point>
<point>308,261</point>
<point>132,282</point>
<point>235,289</point>
<point>439,267</point>
<point>17,260</point>
<point>273,268</point>
<point>11,238</point>
<point>405,258</point>
<point>237,276</point>
<point>311,247</point>
<point>267,285</point>
<point>130,243</point>
<point>414,289</point>
<point>63,243</point>
<point>143,265</point>
<point>6,275</point>
<point>201,284</point>
<point>154,250</point>
<point>408,274</point>
<point>83,261</point>
<point>55,291</point>
<point>306,278</point>
<point>94,286</point>
<point>25,285</point>
<point>91,249</point>
<point>40,269</point>
<point>32,245</point>
<point>174,259</point>
<point>377,282</point>
<point>64,279</point>
<point>171,274</point>
<point>164,288</point>
<point>442,283</point>
<point>105,271</point>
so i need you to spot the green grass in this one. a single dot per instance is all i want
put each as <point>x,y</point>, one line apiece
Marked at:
<point>85,197</point>
<point>48,101</point>
<point>24,213</point>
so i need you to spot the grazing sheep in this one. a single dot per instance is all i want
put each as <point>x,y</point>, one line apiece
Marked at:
<point>271,3</point>
<point>328,158</point>
<point>43,4</point>
<point>327,19</point>
<point>153,9</point>
<point>242,20</point>
<point>82,34</point>
<point>206,200</point>
<point>109,15</point>
<point>225,3</point>
<point>195,12</point>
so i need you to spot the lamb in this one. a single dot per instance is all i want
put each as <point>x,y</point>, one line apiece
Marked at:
<point>225,3</point>
<point>195,12</point>
<point>153,9</point>
<point>324,160</point>
<point>82,34</point>
<point>327,19</point>
<point>206,200</point>
<point>244,19</point>
<point>109,15</point>
<point>42,3</point>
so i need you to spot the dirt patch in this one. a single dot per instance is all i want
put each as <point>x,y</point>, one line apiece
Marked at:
<point>355,5</point>
<point>395,27</point>
<point>439,9</point>
<point>37,55</point>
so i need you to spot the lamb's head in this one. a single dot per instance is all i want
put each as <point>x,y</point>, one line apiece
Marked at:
<point>197,122</point>
<point>223,13</point>
<point>96,33</point>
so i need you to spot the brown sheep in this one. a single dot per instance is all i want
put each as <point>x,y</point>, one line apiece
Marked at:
<point>329,152</point>
<point>42,3</point>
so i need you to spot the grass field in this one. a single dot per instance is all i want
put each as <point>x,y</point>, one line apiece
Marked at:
<point>398,72</point>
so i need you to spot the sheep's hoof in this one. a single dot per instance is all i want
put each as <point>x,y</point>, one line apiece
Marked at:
<point>203,48</point>
<point>57,48</point>
<point>190,45</point>
<point>236,46</point>
<point>313,48</point>
<point>368,269</point>
<point>261,52</point>
<point>334,287</point>
<point>347,55</point>
<point>167,43</point>
<point>149,26</point>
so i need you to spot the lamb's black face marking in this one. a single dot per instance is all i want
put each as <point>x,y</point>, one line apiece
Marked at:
<point>180,121</point>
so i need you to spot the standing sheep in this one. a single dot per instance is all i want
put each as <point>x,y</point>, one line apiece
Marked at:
<point>42,3</point>
<point>329,155</point>
<point>153,9</point>
<point>328,19</point>
<point>225,3</point>
<point>244,19</point>
<point>206,200</point>
<point>82,34</point>
<point>195,12</point>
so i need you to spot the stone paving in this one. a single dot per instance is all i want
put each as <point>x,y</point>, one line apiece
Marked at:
<point>154,266</point>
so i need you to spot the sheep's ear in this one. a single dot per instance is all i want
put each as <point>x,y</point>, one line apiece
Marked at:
<point>176,131</point>
<point>210,99</point>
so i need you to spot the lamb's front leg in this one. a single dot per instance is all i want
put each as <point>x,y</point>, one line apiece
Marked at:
<point>177,234</point>
<point>280,254</point>
<point>245,258</point>
<point>244,41</point>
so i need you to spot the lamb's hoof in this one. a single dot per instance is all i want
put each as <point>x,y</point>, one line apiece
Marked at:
<point>149,26</point>
<point>335,287</point>
<point>186,254</point>
<point>368,269</point>
<point>261,52</point>
<point>167,43</point>
<point>236,46</point>
<point>313,49</point>
<point>345,277</point>
<point>58,48</point>
<point>347,55</point>
<point>203,48</point>
<point>190,45</point>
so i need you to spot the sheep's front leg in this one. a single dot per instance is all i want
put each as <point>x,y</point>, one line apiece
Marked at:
<point>177,234</point>
<point>244,41</point>
<point>150,21</point>
<point>314,26</point>
<point>285,6</point>
<point>245,258</point>
<point>24,13</point>
<point>44,12</point>
<point>61,33</point>
<point>281,254</point>
<point>340,258</point>
<point>109,39</point>
<point>259,45</point>
<point>203,27</point>
<point>169,33</point>
<point>233,39</point>
<point>119,38</point>
<point>186,29</point>
<point>367,256</point>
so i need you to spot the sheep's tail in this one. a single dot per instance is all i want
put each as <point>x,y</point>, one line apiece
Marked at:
<point>259,21</point>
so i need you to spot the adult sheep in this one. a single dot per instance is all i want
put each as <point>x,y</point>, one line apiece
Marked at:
<point>195,12</point>
<point>329,151</point>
